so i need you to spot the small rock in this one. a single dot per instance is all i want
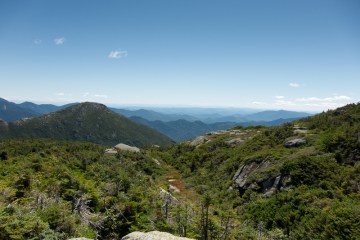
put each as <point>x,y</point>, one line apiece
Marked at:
<point>156,161</point>
<point>269,193</point>
<point>173,188</point>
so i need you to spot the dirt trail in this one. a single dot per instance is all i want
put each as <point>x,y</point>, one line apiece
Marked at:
<point>176,184</point>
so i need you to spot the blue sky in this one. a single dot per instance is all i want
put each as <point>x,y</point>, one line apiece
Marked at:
<point>300,55</point>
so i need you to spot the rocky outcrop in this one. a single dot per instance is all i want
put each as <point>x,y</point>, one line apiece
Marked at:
<point>243,179</point>
<point>274,186</point>
<point>110,151</point>
<point>234,141</point>
<point>300,130</point>
<point>154,235</point>
<point>198,141</point>
<point>242,174</point>
<point>168,197</point>
<point>124,147</point>
<point>295,142</point>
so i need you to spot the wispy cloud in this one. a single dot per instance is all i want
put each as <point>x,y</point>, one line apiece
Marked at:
<point>86,94</point>
<point>60,94</point>
<point>294,85</point>
<point>307,103</point>
<point>100,96</point>
<point>327,99</point>
<point>118,54</point>
<point>37,41</point>
<point>59,41</point>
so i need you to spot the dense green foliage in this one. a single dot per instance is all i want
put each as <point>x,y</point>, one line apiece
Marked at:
<point>59,189</point>
<point>86,122</point>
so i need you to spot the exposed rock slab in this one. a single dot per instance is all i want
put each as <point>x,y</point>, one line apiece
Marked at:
<point>234,141</point>
<point>295,142</point>
<point>274,187</point>
<point>242,174</point>
<point>110,151</point>
<point>199,140</point>
<point>168,196</point>
<point>124,147</point>
<point>154,235</point>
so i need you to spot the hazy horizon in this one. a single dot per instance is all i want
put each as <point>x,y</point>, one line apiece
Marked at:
<point>299,56</point>
<point>170,108</point>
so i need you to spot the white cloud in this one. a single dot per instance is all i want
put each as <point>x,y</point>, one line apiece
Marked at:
<point>294,85</point>
<point>59,41</point>
<point>118,54</point>
<point>307,103</point>
<point>60,94</point>
<point>100,96</point>
<point>327,99</point>
<point>279,97</point>
<point>37,41</point>
<point>86,94</point>
<point>342,98</point>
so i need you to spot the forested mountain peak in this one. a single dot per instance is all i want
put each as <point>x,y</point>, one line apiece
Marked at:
<point>87,122</point>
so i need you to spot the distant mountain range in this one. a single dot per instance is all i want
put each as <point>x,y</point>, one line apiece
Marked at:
<point>262,116</point>
<point>181,130</point>
<point>10,112</point>
<point>151,115</point>
<point>170,122</point>
<point>90,122</point>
